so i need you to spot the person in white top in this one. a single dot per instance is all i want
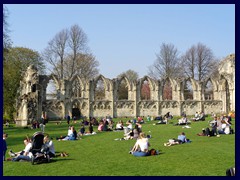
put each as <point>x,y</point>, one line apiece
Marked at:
<point>27,155</point>
<point>130,127</point>
<point>119,126</point>
<point>183,120</point>
<point>225,128</point>
<point>141,146</point>
<point>48,143</point>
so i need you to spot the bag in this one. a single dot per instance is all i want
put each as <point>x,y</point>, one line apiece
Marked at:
<point>230,171</point>
<point>152,152</point>
<point>208,132</point>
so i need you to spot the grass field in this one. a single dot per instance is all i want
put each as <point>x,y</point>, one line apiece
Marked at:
<point>101,155</point>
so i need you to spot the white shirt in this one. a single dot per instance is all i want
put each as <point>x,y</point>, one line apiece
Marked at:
<point>143,144</point>
<point>118,125</point>
<point>196,115</point>
<point>50,145</point>
<point>70,132</point>
<point>226,128</point>
<point>27,149</point>
<point>129,126</point>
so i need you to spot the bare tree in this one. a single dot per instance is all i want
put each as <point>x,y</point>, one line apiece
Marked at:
<point>166,64</point>
<point>131,75</point>
<point>199,62</point>
<point>77,43</point>
<point>86,66</point>
<point>189,62</point>
<point>55,51</point>
<point>67,54</point>
<point>6,31</point>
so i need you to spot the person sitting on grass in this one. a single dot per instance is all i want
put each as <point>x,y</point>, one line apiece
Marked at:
<point>68,134</point>
<point>196,116</point>
<point>141,146</point>
<point>226,128</point>
<point>48,144</point>
<point>90,128</point>
<point>168,115</point>
<point>183,121</point>
<point>110,125</point>
<point>129,125</point>
<point>100,126</point>
<point>82,131</point>
<point>24,155</point>
<point>180,140</point>
<point>72,135</point>
<point>119,126</point>
<point>213,125</point>
<point>163,121</point>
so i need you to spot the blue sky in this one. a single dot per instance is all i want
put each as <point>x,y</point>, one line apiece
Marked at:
<point>127,36</point>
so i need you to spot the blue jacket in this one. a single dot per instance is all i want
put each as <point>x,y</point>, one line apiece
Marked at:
<point>4,145</point>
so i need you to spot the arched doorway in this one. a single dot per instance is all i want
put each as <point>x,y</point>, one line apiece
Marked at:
<point>76,111</point>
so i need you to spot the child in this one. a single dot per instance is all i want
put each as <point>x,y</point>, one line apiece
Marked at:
<point>82,130</point>
<point>4,145</point>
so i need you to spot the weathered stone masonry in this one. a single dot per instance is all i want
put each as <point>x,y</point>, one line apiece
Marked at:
<point>33,102</point>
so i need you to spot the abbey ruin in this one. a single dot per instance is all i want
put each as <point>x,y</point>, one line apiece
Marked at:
<point>76,97</point>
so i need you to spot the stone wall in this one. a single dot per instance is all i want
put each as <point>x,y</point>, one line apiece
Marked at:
<point>33,101</point>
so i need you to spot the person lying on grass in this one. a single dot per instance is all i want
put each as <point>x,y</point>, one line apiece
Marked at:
<point>180,140</point>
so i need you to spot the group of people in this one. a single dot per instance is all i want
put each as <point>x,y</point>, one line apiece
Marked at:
<point>199,116</point>
<point>26,154</point>
<point>164,119</point>
<point>219,125</point>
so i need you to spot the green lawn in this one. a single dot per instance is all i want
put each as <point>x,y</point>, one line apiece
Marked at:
<point>101,155</point>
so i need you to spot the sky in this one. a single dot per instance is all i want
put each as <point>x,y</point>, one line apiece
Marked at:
<point>127,36</point>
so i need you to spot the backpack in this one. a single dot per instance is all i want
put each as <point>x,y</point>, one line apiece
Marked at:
<point>208,132</point>
<point>152,152</point>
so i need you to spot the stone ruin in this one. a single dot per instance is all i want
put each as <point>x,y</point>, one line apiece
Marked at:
<point>76,97</point>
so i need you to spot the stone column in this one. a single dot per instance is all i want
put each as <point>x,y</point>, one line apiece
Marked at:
<point>112,103</point>
<point>135,92</point>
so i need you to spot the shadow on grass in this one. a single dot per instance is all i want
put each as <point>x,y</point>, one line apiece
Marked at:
<point>53,161</point>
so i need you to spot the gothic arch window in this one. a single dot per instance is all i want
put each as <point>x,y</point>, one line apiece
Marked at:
<point>99,91</point>
<point>167,90</point>
<point>208,90</point>
<point>145,90</point>
<point>51,91</point>
<point>123,90</point>
<point>76,89</point>
<point>188,90</point>
<point>76,111</point>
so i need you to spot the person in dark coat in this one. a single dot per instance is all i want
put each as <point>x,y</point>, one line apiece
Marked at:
<point>4,145</point>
